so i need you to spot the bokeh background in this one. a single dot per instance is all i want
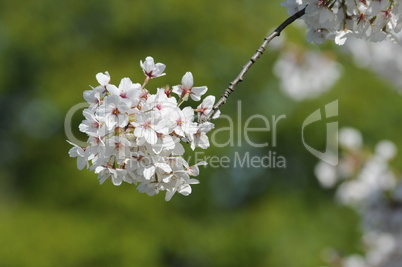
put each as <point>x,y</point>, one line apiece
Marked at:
<point>52,214</point>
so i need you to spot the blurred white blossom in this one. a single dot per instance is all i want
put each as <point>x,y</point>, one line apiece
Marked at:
<point>367,183</point>
<point>383,58</point>
<point>350,138</point>
<point>306,74</point>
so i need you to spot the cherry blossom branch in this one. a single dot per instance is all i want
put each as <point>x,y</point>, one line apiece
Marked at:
<point>252,60</point>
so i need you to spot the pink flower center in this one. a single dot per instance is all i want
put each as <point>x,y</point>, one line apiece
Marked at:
<point>387,13</point>
<point>179,122</point>
<point>146,125</point>
<point>144,94</point>
<point>361,18</point>
<point>185,92</point>
<point>118,146</point>
<point>115,111</point>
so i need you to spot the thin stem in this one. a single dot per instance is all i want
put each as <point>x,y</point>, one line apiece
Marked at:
<point>145,82</point>
<point>252,60</point>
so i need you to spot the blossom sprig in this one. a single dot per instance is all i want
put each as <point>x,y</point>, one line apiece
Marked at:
<point>372,20</point>
<point>137,137</point>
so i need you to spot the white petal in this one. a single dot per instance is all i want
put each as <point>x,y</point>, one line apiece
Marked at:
<point>187,80</point>
<point>150,136</point>
<point>208,101</point>
<point>125,84</point>
<point>103,78</point>
<point>117,180</point>
<point>177,90</point>
<point>188,113</point>
<point>149,172</point>
<point>179,149</point>
<point>165,167</point>
<point>113,89</point>
<point>185,190</point>
<point>197,92</point>
<point>160,67</point>
<point>217,114</point>
<point>169,194</point>
<point>203,141</point>
<point>81,163</point>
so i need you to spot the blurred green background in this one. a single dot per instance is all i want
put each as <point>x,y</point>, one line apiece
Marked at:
<point>52,214</point>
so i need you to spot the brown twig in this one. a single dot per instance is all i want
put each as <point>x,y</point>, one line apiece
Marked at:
<point>252,60</point>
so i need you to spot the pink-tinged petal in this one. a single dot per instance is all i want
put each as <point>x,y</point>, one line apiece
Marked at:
<point>103,78</point>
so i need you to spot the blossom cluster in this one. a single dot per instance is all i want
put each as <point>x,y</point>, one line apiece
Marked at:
<point>372,20</point>
<point>384,58</point>
<point>366,182</point>
<point>137,137</point>
<point>359,174</point>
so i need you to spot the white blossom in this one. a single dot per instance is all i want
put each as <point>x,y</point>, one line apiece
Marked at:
<point>137,137</point>
<point>350,138</point>
<point>338,20</point>
<point>206,107</point>
<point>103,78</point>
<point>186,89</point>
<point>152,70</point>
